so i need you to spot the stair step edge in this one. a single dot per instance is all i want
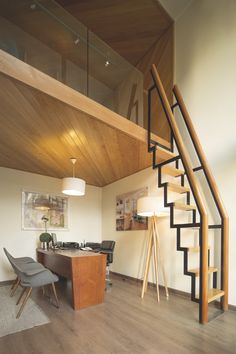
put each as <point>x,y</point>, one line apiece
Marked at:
<point>197,226</point>
<point>166,152</point>
<point>213,294</point>
<point>172,171</point>
<point>177,187</point>
<point>197,270</point>
<point>184,206</point>
<point>195,249</point>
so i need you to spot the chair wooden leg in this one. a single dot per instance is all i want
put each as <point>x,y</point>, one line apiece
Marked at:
<point>15,287</point>
<point>21,295</point>
<point>55,294</point>
<point>14,282</point>
<point>24,302</point>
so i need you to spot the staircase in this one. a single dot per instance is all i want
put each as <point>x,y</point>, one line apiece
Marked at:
<point>170,167</point>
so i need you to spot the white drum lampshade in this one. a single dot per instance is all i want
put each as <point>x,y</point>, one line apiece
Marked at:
<point>73,186</point>
<point>150,206</point>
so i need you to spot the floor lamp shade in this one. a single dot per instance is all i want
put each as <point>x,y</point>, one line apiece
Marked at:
<point>73,186</point>
<point>150,206</point>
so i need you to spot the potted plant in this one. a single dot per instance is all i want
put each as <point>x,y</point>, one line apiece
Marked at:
<point>45,237</point>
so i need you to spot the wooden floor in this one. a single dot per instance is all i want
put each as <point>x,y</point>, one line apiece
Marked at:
<point>124,324</point>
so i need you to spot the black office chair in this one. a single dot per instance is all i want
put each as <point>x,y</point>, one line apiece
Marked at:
<point>96,247</point>
<point>107,247</point>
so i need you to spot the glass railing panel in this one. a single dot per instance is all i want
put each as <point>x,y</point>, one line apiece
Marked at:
<point>113,81</point>
<point>44,35</point>
<point>36,32</point>
<point>23,46</point>
<point>159,123</point>
<point>68,37</point>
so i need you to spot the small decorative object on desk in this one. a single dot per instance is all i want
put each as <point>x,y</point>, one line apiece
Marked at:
<point>54,240</point>
<point>45,237</point>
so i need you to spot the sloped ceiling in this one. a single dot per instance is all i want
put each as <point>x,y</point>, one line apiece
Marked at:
<point>175,8</point>
<point>130,27</point>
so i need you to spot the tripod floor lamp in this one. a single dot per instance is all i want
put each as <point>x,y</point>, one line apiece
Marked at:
<point>153,208</point>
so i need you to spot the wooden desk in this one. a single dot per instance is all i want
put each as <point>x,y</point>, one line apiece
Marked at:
<point>86,270</point>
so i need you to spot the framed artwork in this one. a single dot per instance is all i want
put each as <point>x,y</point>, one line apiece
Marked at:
<point>38,206</point>
<point>126,211</point>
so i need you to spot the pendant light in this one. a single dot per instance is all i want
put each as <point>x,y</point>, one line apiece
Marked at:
<point>72,185</point>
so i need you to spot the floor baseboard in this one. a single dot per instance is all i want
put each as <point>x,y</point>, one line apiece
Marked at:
<point>171,290</point>
<point>136,280</point>
<point>6,282</point>
<point>232,307</point>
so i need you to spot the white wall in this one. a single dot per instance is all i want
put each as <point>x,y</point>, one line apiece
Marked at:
<point>84,215</point>
<point>206,76</point>
<point>130,247</point>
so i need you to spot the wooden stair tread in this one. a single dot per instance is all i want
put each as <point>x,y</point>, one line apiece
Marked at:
<point>186,207</point>
<point>213,294</point>
<point>172,171</point>
<point>197,226</point>
<point>164,154</point>
<point>197,270</point>
<point>177,188</point>
<point>195,249</point>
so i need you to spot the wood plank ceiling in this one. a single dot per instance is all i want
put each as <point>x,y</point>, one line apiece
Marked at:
<point>130,27</point>
<point>39,134</point>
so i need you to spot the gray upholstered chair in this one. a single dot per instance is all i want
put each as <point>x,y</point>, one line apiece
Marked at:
<point>20,261</point>
<point>31,275</point>
<point>30,279</point>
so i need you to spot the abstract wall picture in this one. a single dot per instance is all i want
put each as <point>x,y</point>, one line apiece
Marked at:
<point>38,206</point>
<point>126,211</point>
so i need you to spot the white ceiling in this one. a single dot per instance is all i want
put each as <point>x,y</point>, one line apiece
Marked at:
<point>175,8</point>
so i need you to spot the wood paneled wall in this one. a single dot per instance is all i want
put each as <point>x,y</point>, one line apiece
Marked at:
<point>162,55</point>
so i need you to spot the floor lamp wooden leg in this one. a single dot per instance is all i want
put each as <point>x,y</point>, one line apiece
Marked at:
<point>149,251</point>
<point>148,266</point>
<point>161,263</point>
<point>164,278</point>
<point>149,259</point>
<point>156,262</point>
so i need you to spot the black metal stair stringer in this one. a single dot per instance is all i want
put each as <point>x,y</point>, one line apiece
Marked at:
<point>152,147</point>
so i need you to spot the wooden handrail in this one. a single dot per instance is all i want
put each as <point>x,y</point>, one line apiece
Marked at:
<point>215,193</point>
<point>197,195</point>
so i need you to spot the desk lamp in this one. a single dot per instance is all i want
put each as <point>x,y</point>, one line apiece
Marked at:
<point>153,208</point>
